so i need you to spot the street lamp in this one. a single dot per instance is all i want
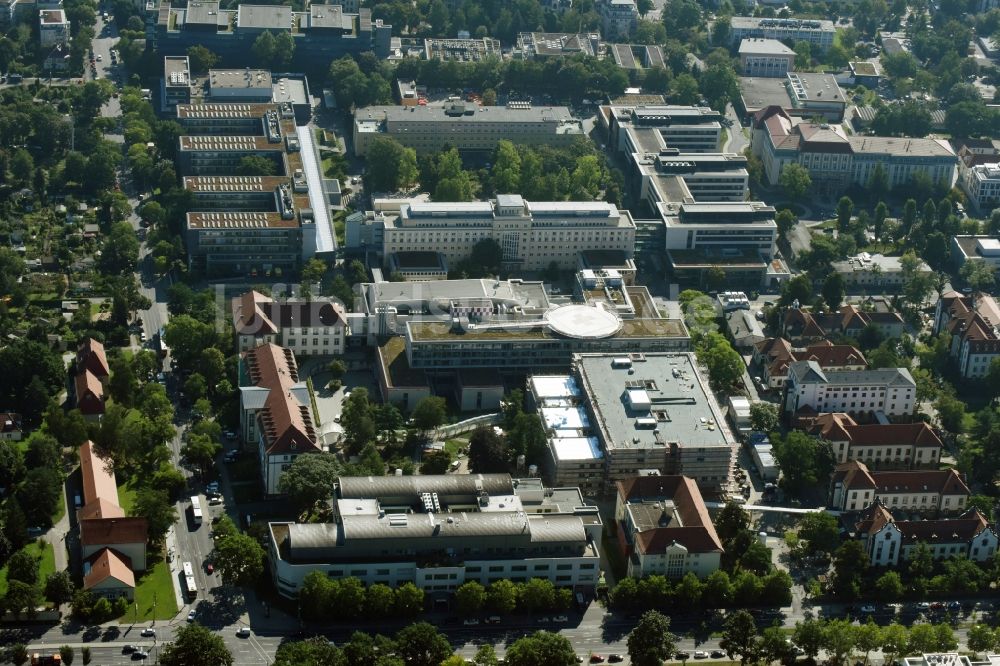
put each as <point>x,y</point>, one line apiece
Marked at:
<point>154,608</point>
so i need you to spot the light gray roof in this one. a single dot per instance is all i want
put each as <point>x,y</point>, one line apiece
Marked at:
<point>538,528</point>
<point>479,114</point>
<point>277,17</point>
<point>810,372</point>
<point>763,45</point>
<point>372,487</point>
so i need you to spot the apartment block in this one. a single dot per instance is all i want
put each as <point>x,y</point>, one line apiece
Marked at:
<point>888,541</point>
<point>765,57</point>
<point>275,412</point>
<point>307,328</point>
<point>880,446</point>
<point>466,126</point>
<point>889,391</point>
<point>90,379</point>
<point>818,33</point>
<point>973,322</point>
<point>663,527</point>
<point>324,32</point>
<point>253,225</point>
<point>440,531</point>
<point>934,491</point>
<point>836,160</point>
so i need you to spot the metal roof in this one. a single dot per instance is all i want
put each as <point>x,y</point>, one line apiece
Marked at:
<point>372,487</point>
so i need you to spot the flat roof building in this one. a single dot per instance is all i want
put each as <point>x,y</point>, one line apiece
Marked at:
<point>554,44</point>
<point>466,126</point>
<point>765,57</point>
<point>875,271</point>
<point>533,234</point>
<point>53,28</point>
<point>800,94</point>
<point>689,129</point>
<point>176,82</point>
<point>645,411</point>
<point>462,50</point>
<point>818,33</point>
<point>441,531</point>
<point>264,223</point>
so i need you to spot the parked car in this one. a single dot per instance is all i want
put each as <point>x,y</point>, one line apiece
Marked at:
<point>560,618</point>
<point>682,656</point>
<point>717,654</point>
<point>243,632</point>
<point>192,614</point>
<point>140,654</point>
<point>596,659</point>
<point>148,632</point>
<point>471,622</point>
<point>615,658</point>
<point>700,654</point>
<point>868,608</point>
<point>128,648</point>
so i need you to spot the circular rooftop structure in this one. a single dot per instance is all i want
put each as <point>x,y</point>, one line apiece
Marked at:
<point>583,322</point>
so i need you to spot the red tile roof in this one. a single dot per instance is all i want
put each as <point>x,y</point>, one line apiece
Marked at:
<point>90,355</point>
<point>107,531</point>
<point>946,530</point>
<point>841,427</point>
<point>696,533</point>
<point>98,477</point>
<point>89,393</point>
<point>107,563</point>
<point>286,423</point>
<point>856,476</point>
<point>256,314</point>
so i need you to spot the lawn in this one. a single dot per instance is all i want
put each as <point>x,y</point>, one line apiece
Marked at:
<point>155,584</point>
<point>126,496</point>
<point>453,446</point>
<point>60,510</point>
<point>46,564</point>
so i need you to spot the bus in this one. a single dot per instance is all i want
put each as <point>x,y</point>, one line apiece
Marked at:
<point>196,510</point>
<point>190,587</point>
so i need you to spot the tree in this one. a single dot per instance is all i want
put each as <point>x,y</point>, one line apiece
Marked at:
<point>435,462</point>
<point>821,531</point>
<point>731,521</point>
<point>409,600</point>
<point>785,219</point>
<point>421,644</point>
<point>839,640</point>
<point>120,251</point>
<point>59,587</point>
<point>774,645</point>
<point>805,461</point>
<point>155,506</point>
<point>22,598</point>
<point>501,596</point>
<point>485,656</point>
<point>650,642</point>
<point>389,165</point>
<point>982,638</point>
<point>429,413</point>
<point>11,463</point>
<point>23,566</point>
<point>850,562</point>
<point>255,165</point>
<point>833,290</point>
<point>200,450</point>
<point>541,649</point>
<point>895,639</point>
<point>18,654</point>
<point>889,586</point>
<point>979,275</point>
<point>868,637</point>
<point>470,597</point>
<point>845,208</point>
<point>310,479</point>
<point>40,494</point>
<point>66,654</point>
<point>201,59</point>
<point>488,452</point>
<point>795,180</point>
<point>764,416</point>
<point>506,172</point>
<point>808,636</point>
<point>194,645</point>
<point>316,651</point>
<point>725,365</point>
<point>739,637</point>
<point>537,594</point>
<point>239,558</point>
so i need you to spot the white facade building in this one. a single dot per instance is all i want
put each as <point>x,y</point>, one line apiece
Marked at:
<point>619,17</point>
<point>765,57</point>
<point>307,328</point>
<point>890,391</point>
<point>817,33</point>
<point>53,27</point>
<point>888,541</point>
<point>981,184</point>
<point>532,235</point>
